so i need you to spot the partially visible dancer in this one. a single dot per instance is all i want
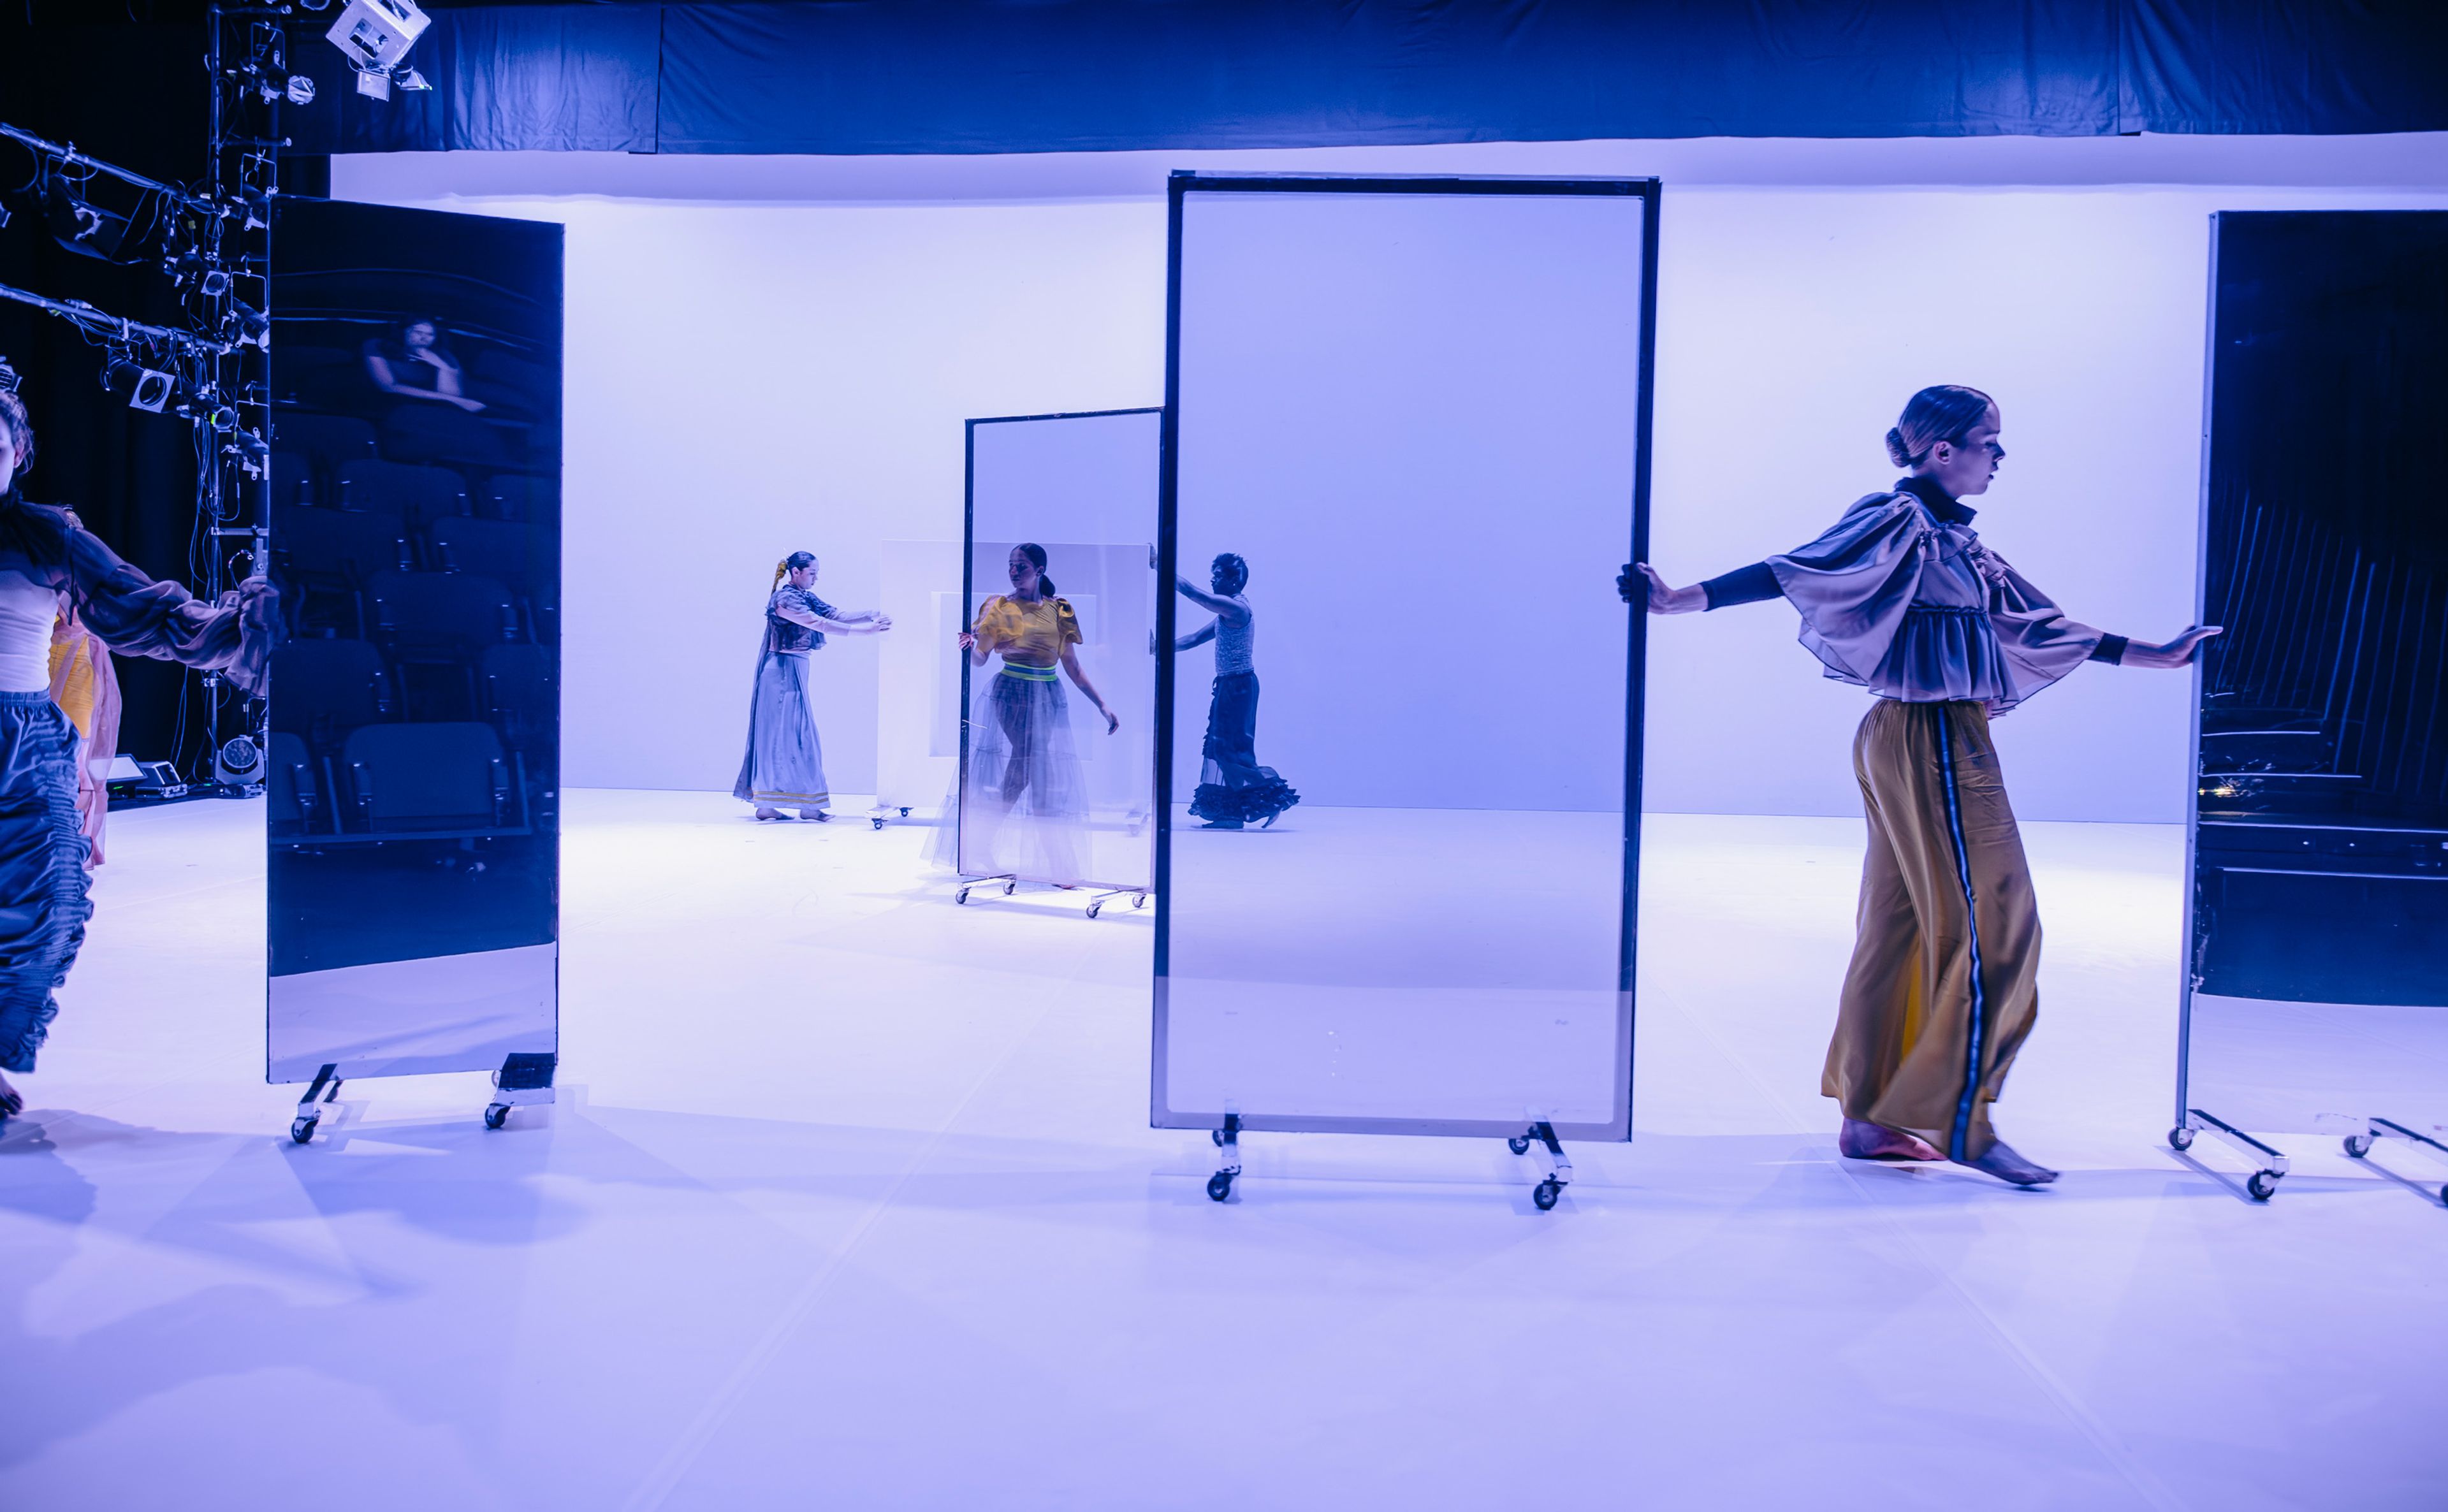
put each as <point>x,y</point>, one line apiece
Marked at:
<point>1902,598</point>
<point>785,763</point>
<point>1234,790</point>
<point>47,561</point>
<point>85,686</point>
<point>1024,810</point>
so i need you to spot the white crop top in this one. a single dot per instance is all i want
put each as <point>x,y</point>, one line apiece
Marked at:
<point>27,611</point>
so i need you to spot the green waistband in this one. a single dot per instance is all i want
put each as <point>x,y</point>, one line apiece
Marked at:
<point>1012,669</point>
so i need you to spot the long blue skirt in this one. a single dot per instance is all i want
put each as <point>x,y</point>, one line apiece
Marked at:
<point>43,906</point>
<point>785,762</point>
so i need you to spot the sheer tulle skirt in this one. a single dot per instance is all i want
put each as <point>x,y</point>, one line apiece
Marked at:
<point>1023,810</point>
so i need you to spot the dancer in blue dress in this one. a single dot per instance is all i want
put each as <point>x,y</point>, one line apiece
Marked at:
<point>785,763</point>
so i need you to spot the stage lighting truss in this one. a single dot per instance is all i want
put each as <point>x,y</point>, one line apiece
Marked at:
<point>376,35</point>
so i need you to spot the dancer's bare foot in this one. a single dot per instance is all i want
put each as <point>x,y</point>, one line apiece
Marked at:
<point>764,813</point>
<point>1876,1141</point>
<point>2002,1162</point>
<point>815,816</point>
<point>11,1101</point>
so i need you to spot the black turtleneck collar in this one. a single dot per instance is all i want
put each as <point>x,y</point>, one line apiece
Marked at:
<point>1949,509</point>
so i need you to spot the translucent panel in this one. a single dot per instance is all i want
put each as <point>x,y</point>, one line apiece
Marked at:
<point>1413,415</point>
<point>2317,995</point>
<point>416,714</point>
<point>1051,791</point>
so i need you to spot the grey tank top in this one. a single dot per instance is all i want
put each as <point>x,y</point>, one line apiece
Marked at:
<point>1236,645</point>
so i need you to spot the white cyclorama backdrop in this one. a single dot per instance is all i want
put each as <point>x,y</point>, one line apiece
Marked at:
<point>1414,414</point>
<point>748,376</point>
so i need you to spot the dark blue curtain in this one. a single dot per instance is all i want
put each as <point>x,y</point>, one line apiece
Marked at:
<point>936,76</point>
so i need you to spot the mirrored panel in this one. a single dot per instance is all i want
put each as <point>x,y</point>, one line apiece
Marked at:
<point>1403,700</point>
<point>1058,772</point>
<point>2319,972</point>
<point>414,750</point>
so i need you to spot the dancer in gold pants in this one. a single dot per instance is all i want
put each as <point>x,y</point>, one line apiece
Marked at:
<point>1902,598</point>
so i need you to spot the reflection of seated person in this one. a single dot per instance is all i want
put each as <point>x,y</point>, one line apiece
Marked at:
<point>417,364</point>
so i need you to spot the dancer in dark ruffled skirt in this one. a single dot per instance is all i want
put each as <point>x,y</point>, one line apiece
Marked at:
<point>50,563</point>
<point>1234,791</point>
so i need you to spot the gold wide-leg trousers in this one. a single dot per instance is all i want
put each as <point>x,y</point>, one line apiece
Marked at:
<point>1944,981</point>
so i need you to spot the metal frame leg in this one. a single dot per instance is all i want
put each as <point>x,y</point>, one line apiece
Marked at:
<point>522,1079</point>
<point>1228,1139</point>
<point>325,1086</point>
<point>2268,1165</point>
<point>1559,1165</point>
<point>2359,1145</point>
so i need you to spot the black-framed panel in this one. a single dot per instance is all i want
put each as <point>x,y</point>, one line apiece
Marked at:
<point>1417,410</point>
<point>415,752</point>
<point>2315,991</point>
<point>1080,485</point>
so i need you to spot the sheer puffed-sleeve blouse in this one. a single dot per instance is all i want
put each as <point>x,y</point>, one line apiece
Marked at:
<point>1900,596</point>
<point>785,624</point>
<point>1032,633</point>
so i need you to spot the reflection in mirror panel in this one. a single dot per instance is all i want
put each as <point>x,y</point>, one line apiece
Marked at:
<point>2318,976</point>
<point>1394,885</point>
<point>415,718</point>
<point>1051,791</point>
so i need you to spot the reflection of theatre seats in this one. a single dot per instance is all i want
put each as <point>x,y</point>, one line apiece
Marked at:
<point>293,477</point>
<point>491,548</point>
<point>327,689</point>
<point>427,431</point>
<point>428,778</point>
<point>329,443</point>
<point>329,555</point>
<point>326,378</point>
<point>518,692</point>
<point>295,794</point>
<point>515,496</point>
<point>419,495</point>
<point>435,625</point>
<point>514,387</point>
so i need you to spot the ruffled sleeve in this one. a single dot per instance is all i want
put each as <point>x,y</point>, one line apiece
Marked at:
<point>136,615</point>
<point>1066,623</point>
<point>2035,639</point>
<point>995,624</point>
<point>1854,584</point>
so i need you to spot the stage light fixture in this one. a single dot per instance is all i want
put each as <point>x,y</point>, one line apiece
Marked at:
<point>239,763</point>
<point>8,379</point>
<point>376,35</point>
<point>254,325</point>
<point>147,389</point>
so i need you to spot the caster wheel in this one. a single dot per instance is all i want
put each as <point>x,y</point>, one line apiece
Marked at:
<point>879,824</point>
<point>1010,887</point>
<point>1545,1193</point>
<point>961,897</point>
<point>1139,902</point>
<point>301,1130</point>
<point>2180,1138</point>
<point>2359,1145</point>
<point>1219,1186</point>
<point>2262,1185</point>
<point>1519,1143</point>
<point>1093,908</point>
<point>905,813</point>
<point>496,1116</point>
<point>1216,1138</point>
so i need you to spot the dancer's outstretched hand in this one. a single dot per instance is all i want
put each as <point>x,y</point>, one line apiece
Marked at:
<point>2177,653</point>
<point>1113,722</point>
<point>1662,599</point>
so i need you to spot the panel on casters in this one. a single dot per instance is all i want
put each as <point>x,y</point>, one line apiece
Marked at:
<point>1402,701</point>
<point>2317,986</point>
<point>1052,790</point>
<point>415,718</point>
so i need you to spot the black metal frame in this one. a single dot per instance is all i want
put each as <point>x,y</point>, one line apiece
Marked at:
<point>968,551</point>
<point>1636,632</point>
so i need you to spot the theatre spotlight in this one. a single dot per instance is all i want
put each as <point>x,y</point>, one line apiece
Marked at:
<point>239,763</point>
<point>376,35</point>
<point>147,389</point>
<point>254,325</point>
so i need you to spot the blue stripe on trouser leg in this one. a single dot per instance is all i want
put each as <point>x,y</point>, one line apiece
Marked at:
<point>43,906</point>
<point>1975,1033</point>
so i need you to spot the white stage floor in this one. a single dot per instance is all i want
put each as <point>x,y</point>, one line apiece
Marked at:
<point>851,1203</point>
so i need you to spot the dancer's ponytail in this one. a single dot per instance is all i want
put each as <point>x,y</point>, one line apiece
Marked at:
<point>791,562</point>
<point>1036,555</point>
